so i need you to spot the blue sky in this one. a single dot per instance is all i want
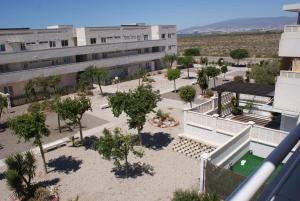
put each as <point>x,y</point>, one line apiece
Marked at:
<point>183,13</point>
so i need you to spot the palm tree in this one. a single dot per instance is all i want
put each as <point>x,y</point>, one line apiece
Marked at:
<point>101,75</point>
<point>170,59</point>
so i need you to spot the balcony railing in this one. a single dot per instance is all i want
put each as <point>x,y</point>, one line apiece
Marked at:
<point>290,74</point>
<point>291,28</point>
<point>257,179</point>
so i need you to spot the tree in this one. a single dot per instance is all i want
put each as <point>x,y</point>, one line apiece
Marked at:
<point>20,173</point>
<point>3,104</point>
<point>53,82</point>
<point>202,80</point>
<point>117,146</point>
<point>186,61</point>
<point>30,90</point>
<point>43,83</point>
<point>89,73</point>
<point>187,94</point>
<point>192,52</point>
<point>73,110</point>
<point>204,60</point>
<point>140,74</point>
<point>212,72</point>
<point>265,73</point>
<point>239,54</point>
<point>136,104</point>
<point>220,62</point>
<point>173,74</point>
<point>100,75</point>
<point>170,59</point>
<point>224,70</point>
<point>31,126</point>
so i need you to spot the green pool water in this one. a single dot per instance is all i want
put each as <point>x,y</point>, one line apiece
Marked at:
<point>252,162</point>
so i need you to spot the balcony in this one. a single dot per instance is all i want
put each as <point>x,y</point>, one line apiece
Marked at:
<point>34,55</point>
<point>23,75</point>
<point>290,74</point>
<point>290,41</point>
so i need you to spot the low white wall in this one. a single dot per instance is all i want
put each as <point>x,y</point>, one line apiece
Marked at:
<point>233,150</point>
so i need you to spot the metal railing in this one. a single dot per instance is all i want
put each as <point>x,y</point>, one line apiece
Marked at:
<point>247,189</point>
<point>292,28</point>
<point>290,74</point>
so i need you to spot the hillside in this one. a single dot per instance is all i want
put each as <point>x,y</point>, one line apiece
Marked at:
<point>260,44</point>
<point>242,25</point>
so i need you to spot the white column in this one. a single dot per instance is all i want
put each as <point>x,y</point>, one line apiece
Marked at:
<point>203,162</point>
<point>215,116</point>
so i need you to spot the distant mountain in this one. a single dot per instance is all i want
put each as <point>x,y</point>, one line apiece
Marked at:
<point>242,25</point>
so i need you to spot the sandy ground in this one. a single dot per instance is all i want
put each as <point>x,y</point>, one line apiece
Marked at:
<point>81,171</point>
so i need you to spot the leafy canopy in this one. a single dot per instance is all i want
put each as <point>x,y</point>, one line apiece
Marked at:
<point>73,109</point>
<point>202,79</point>
<point>224,69</point>
<point>3,104</point>
<point>192,52</point>
<point>117,146</point>
<point>212,71</point>
<point>239,54</point>
<point>265,73</point>
<point>136,104</point>
<point>173,74</point>
<point>30,126</point>
<point>187,93</point>
<point>186,61</point>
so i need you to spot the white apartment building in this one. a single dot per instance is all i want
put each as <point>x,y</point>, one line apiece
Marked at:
<point>66,51</point>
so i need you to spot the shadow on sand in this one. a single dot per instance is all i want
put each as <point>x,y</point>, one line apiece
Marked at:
<point>47,183</point>
<point>156,141</point>
<point>2,176</point>
<point>134,170</point>
<point>64,164</point>
<point>88,142</point>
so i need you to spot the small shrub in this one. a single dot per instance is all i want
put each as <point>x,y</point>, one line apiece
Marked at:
<point>238,78</point>
<point>209,93</point>
<point>237,111</point>
<point>209,197</point>
<point>186,195</point>
<point>162,115</point>
<point>89,93</point>
<point>41,194</point>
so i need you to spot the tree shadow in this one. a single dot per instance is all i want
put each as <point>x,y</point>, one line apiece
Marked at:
<point>88,142</point>
<point>64,164</point>
<point>47,183</point>
<point>189,78</point>
<point>134,170</point>
<point>156,141</point>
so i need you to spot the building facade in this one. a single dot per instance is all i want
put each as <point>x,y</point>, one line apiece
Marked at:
<point>66,51</point>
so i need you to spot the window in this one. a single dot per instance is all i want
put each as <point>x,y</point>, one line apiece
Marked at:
<point>2,47</point>
<point>64,43</point>
<point>25,65</point>
<point>43,42</point>
<point>30,43</point>
<point>163,36</point>
<point>4,68</point>
<point>22,47</point>
<point>138,37</point>
<point>67,60</point>
<point>117,37</point>
<point>52,44</point>
<point>169,35</point>
<point>170,47</point>
<point>103,40</point>
<point>94,56</point>
<point>145,37</point>
<point>93,40</point>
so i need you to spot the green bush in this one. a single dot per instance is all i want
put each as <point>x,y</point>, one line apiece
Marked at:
<point>209,93</point>
<point>209,197</point>
<point>186,195</point>
<point>41,194</point>
<point>239,78</point>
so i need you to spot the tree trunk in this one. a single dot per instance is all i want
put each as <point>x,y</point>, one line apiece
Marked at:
<point>188,71</point>
<point>139,81</point>
<point>80,131</point>
<point>175,86</point>
<point>43,156</point>
<point>191,104</point>
<point>214,82</point>
<point>238,62</point>
<point>58,122</point>
<point>224,77</point>
<point>101,92</point>
<point>126,163</point>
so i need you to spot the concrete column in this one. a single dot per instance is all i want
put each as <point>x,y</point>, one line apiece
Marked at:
<point>215,116</point>
<point>203,162</point>
<point>185,113</point>
<point>220,103</point>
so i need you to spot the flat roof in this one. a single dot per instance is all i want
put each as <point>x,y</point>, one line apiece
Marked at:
<point>246,88</point>
<point>292,7</point>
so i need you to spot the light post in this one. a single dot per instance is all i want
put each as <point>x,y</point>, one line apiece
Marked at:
<point>117,81</point>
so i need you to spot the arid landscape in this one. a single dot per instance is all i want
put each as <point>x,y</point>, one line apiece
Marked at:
<point>263,45</point>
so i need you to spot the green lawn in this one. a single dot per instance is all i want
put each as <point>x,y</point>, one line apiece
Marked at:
<point>252,162</point>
